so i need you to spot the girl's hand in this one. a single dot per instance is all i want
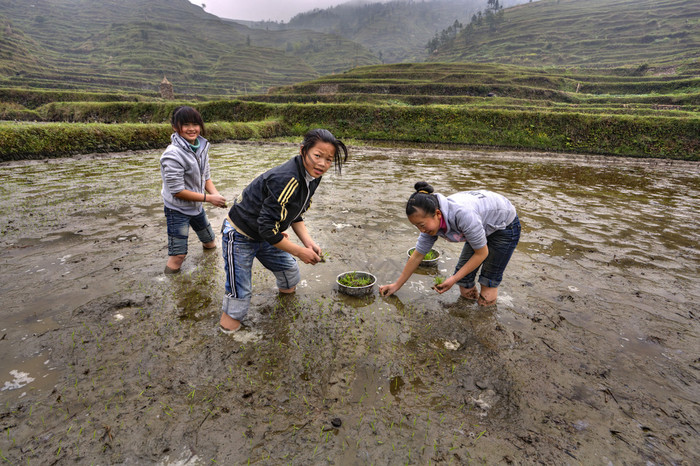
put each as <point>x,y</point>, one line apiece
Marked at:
<point>216,200</point>
<point>314,247</point>
<point>444,286</point>
<point>388,290</point>
<point>309,256</point>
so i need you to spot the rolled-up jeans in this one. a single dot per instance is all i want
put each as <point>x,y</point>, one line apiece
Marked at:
<point>501,244</point>
<point>239,251</point>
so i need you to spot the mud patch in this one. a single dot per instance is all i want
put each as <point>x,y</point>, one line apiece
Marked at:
<point>587,356</point>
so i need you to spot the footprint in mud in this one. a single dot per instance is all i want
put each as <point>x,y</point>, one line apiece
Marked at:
<point>247,336</point>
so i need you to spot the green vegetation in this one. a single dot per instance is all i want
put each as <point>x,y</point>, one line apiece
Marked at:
<point>582,32</point>
<point>355,279</point>
<point>438,280</point>
<point>396,30</point>
<point>29,141</point>
<point>431,255</point>
<point>133,44</point>
<point>648,108</point>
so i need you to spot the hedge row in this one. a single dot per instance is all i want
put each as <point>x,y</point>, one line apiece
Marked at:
<point>146,112</point>
<point>32,141</point>
<point>32,98</point>
<point>600,134</point>
<point>641,136</point>
<point>243,110</point>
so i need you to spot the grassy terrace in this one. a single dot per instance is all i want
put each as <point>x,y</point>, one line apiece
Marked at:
<point>632,111</point>
<point>588,32</point>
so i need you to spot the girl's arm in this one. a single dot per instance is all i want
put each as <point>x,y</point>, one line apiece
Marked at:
<point>474,261</point>
<point>303,234</point>
<point>214,198</point>
<point>306,254</point>
<point>410,267</point>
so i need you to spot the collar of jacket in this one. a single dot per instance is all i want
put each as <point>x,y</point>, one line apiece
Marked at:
<point>182,143</point>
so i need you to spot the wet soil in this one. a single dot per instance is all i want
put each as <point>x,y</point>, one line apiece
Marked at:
<point>590,356</point>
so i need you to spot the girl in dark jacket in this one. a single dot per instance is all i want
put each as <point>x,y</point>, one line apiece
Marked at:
<point>256,224</point>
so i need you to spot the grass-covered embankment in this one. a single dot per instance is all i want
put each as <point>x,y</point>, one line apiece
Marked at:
<point>633,111</point>
<point>634,136</point>
<point>31,141</point>
<point>626,135</point>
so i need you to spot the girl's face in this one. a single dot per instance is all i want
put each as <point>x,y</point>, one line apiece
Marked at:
<point>428,224</point>
<point>319,158</point>
<point>189,131</point>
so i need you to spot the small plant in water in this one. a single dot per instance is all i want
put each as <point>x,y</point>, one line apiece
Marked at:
<point>324,256</point>
<point>353,280</point>
<point>438,280</point>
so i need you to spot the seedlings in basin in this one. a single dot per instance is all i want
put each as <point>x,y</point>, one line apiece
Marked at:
<point>356,283</point>
<point>354,280</point>
<point>430,259</point>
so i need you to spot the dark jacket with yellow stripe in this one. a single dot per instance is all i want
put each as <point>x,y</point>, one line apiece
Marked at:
<point>273,201</point>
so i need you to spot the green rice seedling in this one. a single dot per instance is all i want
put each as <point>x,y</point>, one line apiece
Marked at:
<point>351,279</point>
<point>432,254</point>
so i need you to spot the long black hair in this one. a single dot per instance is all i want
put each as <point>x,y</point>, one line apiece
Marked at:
<point>316,135</point>
<point>423,199</point>
<point>183,115</point>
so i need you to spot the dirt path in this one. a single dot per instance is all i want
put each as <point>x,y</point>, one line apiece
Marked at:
<point>589,357</point>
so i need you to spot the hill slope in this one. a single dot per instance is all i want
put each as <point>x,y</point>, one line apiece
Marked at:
<point>584,32</point>
<point>397,31</point>
<point>132,44</point>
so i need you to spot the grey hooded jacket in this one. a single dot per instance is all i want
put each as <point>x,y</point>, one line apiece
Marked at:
<point>470,216</point>
<point>181,168</point>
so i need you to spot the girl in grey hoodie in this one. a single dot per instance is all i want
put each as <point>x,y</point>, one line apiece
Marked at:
<point>187,185</point>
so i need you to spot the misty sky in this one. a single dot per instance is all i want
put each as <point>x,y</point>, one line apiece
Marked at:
<point>258,10</point>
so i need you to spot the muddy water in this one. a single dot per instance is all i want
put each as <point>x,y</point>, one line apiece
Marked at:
<point>590,355</point>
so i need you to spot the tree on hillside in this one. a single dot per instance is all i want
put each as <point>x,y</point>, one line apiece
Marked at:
<point>445,37</point>
<point>494,14</point>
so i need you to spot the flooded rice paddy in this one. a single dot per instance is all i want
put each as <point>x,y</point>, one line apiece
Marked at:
<point>589,357</point>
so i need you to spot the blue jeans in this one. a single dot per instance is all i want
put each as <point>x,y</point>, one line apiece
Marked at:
<point>179,229</point>
<point>501,245</point>
<point>239,251</point>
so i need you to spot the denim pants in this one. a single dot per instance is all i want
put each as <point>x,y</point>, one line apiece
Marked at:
<point>239,251</point>
<point>179,229</point>
<point>501,244</point>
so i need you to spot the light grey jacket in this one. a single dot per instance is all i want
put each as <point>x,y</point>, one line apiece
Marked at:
<point>181,168</point>
<point>470,216</point>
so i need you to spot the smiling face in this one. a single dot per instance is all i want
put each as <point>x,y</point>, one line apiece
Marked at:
<point>189,131</point>
<point>319,158</point>
<point>428,224</point>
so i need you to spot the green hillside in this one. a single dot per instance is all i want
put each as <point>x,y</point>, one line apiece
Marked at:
<point>583,32</point>
<point>398,30</point>
<point>132,44</point>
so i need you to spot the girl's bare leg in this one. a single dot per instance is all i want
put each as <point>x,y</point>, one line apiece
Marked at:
<point>469,293</point>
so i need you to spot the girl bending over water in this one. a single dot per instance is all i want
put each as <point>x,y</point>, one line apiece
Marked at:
<point>485,220</point>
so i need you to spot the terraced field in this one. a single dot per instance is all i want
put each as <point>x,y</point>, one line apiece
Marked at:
<point>634,111</point>
<point>583,32</point>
